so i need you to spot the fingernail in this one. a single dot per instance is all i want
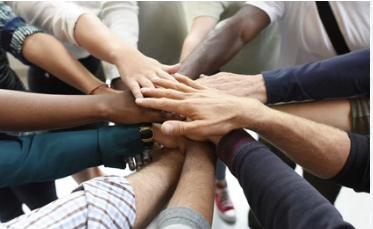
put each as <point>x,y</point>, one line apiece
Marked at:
<point>139,99</point>
<point>144,88</point>
<point>181,116</point>
<point>168,128</point>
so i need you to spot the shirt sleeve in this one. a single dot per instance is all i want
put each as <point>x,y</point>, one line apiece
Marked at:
<point>339,77</point>
<point>210,9</point>
<point>26,159</point>
<point>122,19</point>
<point>278,196</point>
<point>14,31</point>
<point>355,173</point>
<point>55,17</point>
<point>275,10</point>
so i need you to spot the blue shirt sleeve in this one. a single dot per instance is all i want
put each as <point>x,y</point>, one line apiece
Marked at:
<point>339,77</point>
<point>14,30</point>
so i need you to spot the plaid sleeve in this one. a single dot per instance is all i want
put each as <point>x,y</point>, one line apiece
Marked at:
<point>14,31</point>
<point>105,202</point>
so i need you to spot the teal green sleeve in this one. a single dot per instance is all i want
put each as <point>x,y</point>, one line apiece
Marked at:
<point>51,156</point>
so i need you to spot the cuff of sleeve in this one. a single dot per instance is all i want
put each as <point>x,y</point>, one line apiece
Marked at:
<point>14,34</point>
<point>282,86</point>
<point>229,143</point>
<point>209,9</point>
<point>118,142</point>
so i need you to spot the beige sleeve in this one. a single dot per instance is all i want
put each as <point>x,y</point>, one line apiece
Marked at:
<point>210,9</point>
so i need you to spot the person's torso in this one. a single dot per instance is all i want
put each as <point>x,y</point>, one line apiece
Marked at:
<point>304,38</point>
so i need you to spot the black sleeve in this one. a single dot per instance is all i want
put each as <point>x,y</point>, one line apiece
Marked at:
<point>278,196</point>
<point>339,77</point>
<point>355,173</point>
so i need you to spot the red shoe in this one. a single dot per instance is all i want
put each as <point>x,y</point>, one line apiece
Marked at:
<point>223,202</point>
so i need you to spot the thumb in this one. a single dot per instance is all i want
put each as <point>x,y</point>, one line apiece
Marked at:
<point>179,127</point>
<point>171,69</point>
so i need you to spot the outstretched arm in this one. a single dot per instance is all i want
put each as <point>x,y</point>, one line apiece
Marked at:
<point>225,41</point>
<point>325,149</point>
<point>21,111</point>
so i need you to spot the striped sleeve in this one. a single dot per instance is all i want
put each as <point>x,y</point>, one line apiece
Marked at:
<point>14,31</point>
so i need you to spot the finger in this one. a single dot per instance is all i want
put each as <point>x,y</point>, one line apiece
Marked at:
<point>146,157</point>
<point>202,76</point>
<point>187,81</point>
<point>166,76</point>
<point>129,161</point>
<point>163,104</point>
<point>145,82</point>
<point>171,69</point>
<point>183,128</point>
<point>160,116</point>
<point>135,89</point>
<point>168,84</point>
<point>138,159</point>
<point>163,93</point>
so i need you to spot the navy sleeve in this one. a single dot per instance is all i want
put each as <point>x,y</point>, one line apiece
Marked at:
<point>278,196</point>
<point>355,173</point>
<point>339,77</point>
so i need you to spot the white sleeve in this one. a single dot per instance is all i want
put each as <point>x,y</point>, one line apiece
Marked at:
<point>122,20</point>
<point>275,10</point>
<point>57,18</point>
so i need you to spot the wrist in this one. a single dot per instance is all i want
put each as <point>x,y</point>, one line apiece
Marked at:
<point>253,114</point>
<point>259,91</point>
<point>121,53</point>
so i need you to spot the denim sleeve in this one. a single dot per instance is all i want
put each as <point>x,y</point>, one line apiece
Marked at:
<point>14,31</point>
<point>339,77</point>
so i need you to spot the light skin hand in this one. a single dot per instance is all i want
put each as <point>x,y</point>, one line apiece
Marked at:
<point>136,69</point>
<point>212,112</point>
<point>237,85</point>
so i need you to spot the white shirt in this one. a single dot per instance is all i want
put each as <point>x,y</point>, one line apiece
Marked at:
<point>158,29</point>
<point>303,36</point>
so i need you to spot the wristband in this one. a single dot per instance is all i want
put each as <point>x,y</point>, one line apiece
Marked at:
<point>100,86</point>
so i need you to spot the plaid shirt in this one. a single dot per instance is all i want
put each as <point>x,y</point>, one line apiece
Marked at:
<point>105,202</point>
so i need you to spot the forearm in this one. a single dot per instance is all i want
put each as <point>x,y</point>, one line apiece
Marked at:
<point>321,149</point>
<point>28,111</point>
<point>98,40</point>
<point>46,52</point>
<point>336,113</point>
<point>225,41</point>
<point>278,196</point>
<point>200,28</point>
<point>154,184</point>
<point>198,171</point>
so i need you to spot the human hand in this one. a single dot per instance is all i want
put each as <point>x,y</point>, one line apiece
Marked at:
<point>212,112</point>
<point>120,107</point>
<point>238,85</point>
<point>137,71</point>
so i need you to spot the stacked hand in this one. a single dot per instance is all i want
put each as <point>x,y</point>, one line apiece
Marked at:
<point>238,85</point>
<point>212,113</point>
<point>139,70</point>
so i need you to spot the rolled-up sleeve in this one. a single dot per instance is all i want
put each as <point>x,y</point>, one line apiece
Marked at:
<point>14,31</point>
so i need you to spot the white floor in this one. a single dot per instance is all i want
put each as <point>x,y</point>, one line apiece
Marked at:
<point>354,207</point>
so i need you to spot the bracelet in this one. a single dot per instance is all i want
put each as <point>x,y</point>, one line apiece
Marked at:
<point>147,135</point>
<point>100,86</point>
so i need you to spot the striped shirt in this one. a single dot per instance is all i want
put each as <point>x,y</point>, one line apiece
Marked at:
<point>106,202</point>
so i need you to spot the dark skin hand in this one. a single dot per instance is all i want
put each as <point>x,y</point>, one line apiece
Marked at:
<point>225,41</point>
